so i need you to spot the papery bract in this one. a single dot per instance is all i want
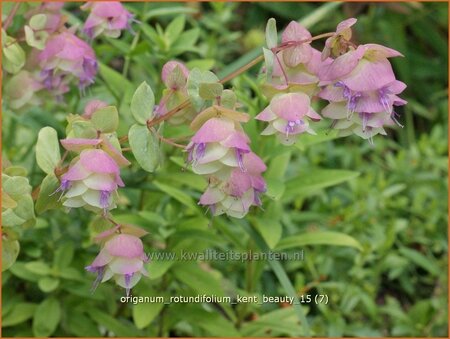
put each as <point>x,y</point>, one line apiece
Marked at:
<point>65,54</point>
<point>108,18</point>
<point>288,115</point>
<point>92,179</point>
<point>121,258</point>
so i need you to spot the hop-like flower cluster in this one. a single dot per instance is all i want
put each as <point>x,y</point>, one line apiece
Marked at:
<point>93,176</point>
<point>92,180</point>
<point>358,81</point>
<point>220,150</point>
<point>121,257</point>
<point>362,90</point>
<point>65,54</point>
<point>109,18</point>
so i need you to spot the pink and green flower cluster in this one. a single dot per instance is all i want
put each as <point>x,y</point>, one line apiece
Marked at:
<point>357,81</point>
<point>220,151</point>
<point>121,257</point>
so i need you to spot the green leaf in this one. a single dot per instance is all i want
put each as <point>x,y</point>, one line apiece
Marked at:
<point>174,29</point>
<point>282,277</point>
<point>210,91</point>
<point>199,280</point>
<point>46,318</point>
<point>319,238</point>
<point>63,255</point>
<point>10,251</point>
<point>38,267</point>
<point>48,284</point>
<point>157,268</point>
<point>38,21</point>
<point>271,33</point>
<point>307,140</point>
<point>145,147</point>
<point>177,195</point>
<point>142,103</point>
<point>144,313</point>
<point>106,120</point>
<point>20,312</point>
<point>47,149</point>
<point>115,82</point>
<point>420,260</point>
<point>13,54</point>
<point>47,198</point>
<point>270,229</point>
<point>196,77</point>
<point>228,99</point>
<point>313,180</point>
<point>117,327</point>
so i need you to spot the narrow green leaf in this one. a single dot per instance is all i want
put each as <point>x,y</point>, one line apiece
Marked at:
<point>313,180</point>
<point>47,149</point>
<point>177,195</point>
<point>319,238</point>
<point>142,103</point>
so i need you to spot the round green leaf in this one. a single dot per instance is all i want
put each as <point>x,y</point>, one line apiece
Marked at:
<point>145,147</point>
<point>142,103</point>
<point>47,149</point>
<point>106,120</point>
<point>10,251</point>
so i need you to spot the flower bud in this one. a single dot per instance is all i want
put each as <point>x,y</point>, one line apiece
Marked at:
<point>20,90</point>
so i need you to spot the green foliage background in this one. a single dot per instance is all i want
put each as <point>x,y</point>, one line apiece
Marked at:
<point>389,278</point>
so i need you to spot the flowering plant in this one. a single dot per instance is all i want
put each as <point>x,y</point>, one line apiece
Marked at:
<point>144,148</point>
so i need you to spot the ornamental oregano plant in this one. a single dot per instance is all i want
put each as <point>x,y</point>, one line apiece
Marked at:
<point>355,85</point>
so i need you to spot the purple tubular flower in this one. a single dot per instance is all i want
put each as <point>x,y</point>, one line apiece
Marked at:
<point>108,18</point>
<point>288,115</point>
<point>121,258</point>
<point>65,54</point>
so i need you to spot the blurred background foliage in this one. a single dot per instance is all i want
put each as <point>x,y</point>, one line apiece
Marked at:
<point>393,202</point>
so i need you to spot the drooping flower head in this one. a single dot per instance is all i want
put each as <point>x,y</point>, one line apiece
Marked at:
<point>66,55</point>
<point>121,258</point>
<point>108,18</point>
<point>362,83</point>
<point>288,115</point>
<point>239,191</point>
<point>92,179</point>
<point>92,106</point>
<point>217,147</point>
